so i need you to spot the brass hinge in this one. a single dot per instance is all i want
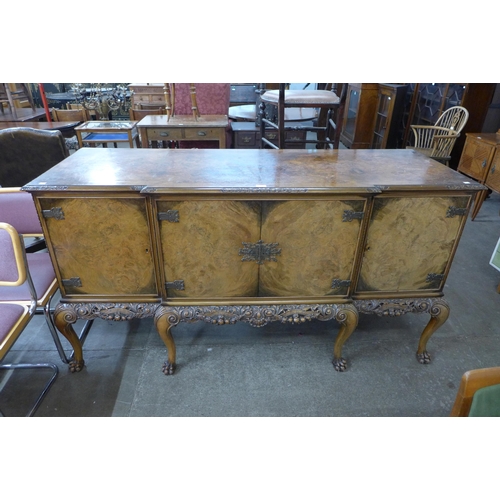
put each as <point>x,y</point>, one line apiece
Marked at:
<point>55,212</point>
<point>175,285</point>
<point>452,211</point>
<point>75,282</point>
<point>169,215</point>
<point>259,252</point>
<point>350,215</point>
<point>337,283</point>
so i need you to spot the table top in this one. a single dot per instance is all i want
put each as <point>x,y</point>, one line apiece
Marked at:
<point>239,172</point>
<point>39,125</point>
<point>204,121</point>
<point>248,112</point>
<point>106,126</point>
<point>22,115</point>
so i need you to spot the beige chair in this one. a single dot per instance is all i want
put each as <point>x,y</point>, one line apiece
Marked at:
<point>485,380</point>
<point>437,141</point>
<point>329,103</point>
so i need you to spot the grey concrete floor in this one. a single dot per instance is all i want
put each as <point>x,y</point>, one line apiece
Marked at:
<point>278,370</point>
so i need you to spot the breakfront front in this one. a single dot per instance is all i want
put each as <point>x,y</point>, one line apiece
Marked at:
<point>251,235</point>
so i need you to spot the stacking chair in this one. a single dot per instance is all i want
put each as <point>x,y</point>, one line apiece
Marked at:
<point>26,153</point>
<point>18,303</point>
<point>437,141</point>
<point>328,125</point>
<point>478,394</point>
<point>17,208</point>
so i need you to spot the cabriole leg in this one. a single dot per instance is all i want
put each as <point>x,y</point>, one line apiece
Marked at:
<point>164,322</point>
<point>439,311</point>
<point>64,317</point>
<point>347,316</point>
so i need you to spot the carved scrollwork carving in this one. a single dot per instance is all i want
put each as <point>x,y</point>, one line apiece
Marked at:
<point>397,307</point>
<point>256,316</point>
<point>114,312</point>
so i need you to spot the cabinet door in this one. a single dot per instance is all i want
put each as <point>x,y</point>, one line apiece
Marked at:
<point>102,246</point>
<point>476,158</point>
<point>410,243</point>
<point>200,244</point>
<point>317,243</point>
<point>493,178</point>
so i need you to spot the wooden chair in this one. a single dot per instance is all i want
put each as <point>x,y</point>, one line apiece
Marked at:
<point>71,115</point>
<point>197,100</point>
<point>26,153</point>
<point>330,104</point>
<point>478,394</point>
<point>91,112</point>
<point>18,305</point>
<point>17,208</point>
<point>20,94</point>
<point>437,141</point>
<point>139,114</point>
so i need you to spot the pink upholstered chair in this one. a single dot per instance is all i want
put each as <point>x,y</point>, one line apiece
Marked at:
<point>17,208</point>
<point>211,99</point>
<point>18,303</point>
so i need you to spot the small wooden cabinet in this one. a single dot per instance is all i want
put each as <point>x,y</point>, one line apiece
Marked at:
<point>148,94</point>
<point>361,105</point>
<point>259,235</point>
<point>390,105</point>
<point>480,160</point>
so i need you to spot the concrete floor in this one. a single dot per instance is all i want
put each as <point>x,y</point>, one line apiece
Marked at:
<point>278,370</point>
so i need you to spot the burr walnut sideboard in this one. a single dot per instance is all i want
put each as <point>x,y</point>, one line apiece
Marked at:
<point>250,235</point>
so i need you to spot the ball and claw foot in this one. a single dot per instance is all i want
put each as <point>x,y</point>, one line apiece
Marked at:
<point>340,364</point>
<point>168,368</point>
<point>75,366</point>
<point>424,358</point>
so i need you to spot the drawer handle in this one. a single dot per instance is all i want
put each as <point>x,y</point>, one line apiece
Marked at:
<point>493,168</point>
<point>483,164</point>
<point>164,134</point>
<point>202,134</point>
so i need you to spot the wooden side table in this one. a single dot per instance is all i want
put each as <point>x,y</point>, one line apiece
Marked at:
<point>102,132</point>
<point>183,128</point>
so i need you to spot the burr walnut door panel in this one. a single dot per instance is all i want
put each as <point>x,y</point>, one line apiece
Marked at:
<point>102,246</point>
<point>410,242</point>
<point>201,248</point>
<point>317,240</point>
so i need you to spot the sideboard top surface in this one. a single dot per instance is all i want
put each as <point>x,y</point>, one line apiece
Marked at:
<point>184,170</point>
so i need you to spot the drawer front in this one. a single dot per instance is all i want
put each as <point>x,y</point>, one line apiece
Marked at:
<point>201,134</point>
<point>157,99</point>
<point>476,159</point>
<point>493,179</point>
<point>163,134</point>
<point>246,139</point>
<point>183,134</point>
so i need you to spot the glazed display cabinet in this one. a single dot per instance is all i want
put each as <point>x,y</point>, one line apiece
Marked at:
<point>223,236</point>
